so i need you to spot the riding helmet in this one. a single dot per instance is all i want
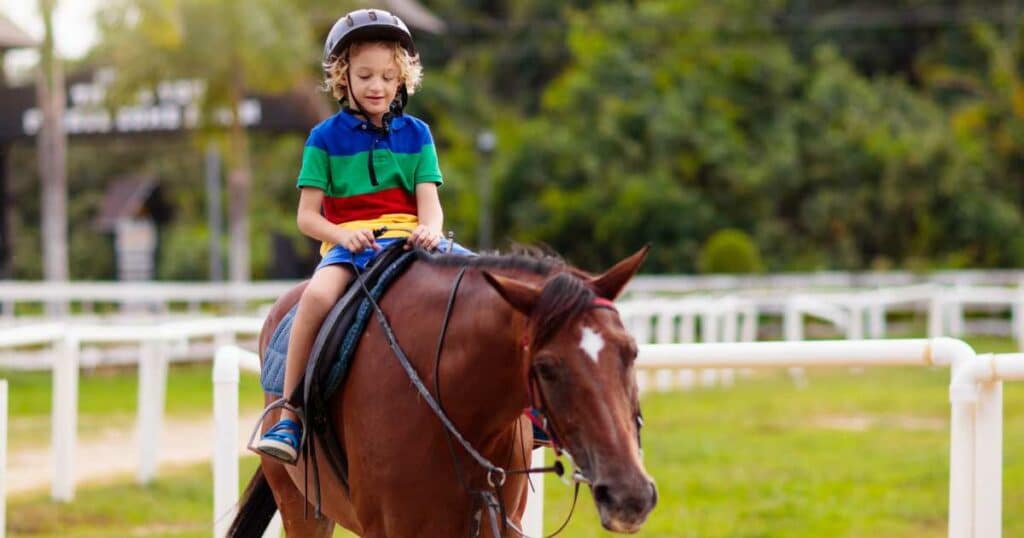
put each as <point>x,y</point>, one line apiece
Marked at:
<point>367,25</point>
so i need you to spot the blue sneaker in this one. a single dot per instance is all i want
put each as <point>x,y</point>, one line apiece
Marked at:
<point>281,442</point>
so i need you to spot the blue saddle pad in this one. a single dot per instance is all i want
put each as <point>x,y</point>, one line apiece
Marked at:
<point>272,374</point>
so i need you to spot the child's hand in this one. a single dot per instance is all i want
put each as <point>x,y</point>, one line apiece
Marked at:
<point>357,240</point>
<point>424,238</point>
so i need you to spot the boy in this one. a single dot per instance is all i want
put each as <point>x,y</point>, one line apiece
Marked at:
<point>365,168</point>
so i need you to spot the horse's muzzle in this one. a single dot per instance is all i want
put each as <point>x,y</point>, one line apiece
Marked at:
<point>624,507</point>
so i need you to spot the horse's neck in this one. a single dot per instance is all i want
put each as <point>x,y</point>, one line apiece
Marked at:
<point>485,342</point>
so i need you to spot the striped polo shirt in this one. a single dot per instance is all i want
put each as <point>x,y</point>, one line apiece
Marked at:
<point>369,177</point>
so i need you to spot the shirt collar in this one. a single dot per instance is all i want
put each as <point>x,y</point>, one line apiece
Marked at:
<point>352,122</point>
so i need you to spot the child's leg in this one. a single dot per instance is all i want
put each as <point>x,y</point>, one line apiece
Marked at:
<point>317,299</point>
<point>282,440</point>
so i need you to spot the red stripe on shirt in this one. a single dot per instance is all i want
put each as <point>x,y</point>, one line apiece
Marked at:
<point>369,206</point>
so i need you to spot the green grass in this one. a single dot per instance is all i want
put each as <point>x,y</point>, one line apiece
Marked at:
<point>851,455</point>
<point>179,504</point>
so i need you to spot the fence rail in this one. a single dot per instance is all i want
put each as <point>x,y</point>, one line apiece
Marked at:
<point>156,344</point>
<point>975,393</point>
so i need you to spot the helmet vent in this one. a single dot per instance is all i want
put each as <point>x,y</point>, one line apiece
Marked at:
<point>372,14</point>
<point>349,21</point>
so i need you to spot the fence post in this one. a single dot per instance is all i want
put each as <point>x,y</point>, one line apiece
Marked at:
<point>793,331</point>
<point>988,461</point>
<point>855,328</point>
<point>876,320</point>
<point>1017,319</point>
<point>533,518</point>
<point>152,398</point>
<point>3,458</point>
<point>226,363</point>
<point>687,333</point>
<point>936,315</point>
<point>225,438</point>
<point>954,313</point>
<point>709,333</point>
<point>65,417</point>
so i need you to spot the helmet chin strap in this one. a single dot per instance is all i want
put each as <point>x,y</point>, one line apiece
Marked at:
<point>394,109</point>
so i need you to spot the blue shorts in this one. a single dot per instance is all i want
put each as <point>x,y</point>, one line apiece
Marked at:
<point>339,254</point>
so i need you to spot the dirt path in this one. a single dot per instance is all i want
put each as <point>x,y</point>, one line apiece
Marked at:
<point>115,453</point>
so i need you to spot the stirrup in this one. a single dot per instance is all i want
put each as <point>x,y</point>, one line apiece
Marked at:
<point>258,429</point>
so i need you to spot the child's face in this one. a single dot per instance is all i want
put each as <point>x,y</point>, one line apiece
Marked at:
<point>374,78</point>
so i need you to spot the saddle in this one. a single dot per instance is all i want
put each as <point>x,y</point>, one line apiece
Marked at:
<point>331,355</point>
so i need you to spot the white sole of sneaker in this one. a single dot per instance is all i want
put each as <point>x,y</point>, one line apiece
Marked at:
<point>277,450</point>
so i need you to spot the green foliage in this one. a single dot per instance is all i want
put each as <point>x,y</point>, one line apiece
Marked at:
<point>837,145</point>
<point>729,251</point>
<point>183,252</point>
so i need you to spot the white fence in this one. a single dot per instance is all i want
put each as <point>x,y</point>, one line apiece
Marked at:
<point>975,392</point>
<point>975,485</point>
<point>160,296</point>
<point>942,295</point>
<point>156,343</point>
<point>155,297</point>
<point>3,458</point>
<point>227,363</point>
<point>652,321</point>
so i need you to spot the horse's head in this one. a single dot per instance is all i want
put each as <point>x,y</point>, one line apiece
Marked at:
<point>581,374</point>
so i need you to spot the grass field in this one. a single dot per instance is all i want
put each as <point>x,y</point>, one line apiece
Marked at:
<point>851,455</point>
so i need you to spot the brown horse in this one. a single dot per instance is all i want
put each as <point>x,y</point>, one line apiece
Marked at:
<point>522,330</point>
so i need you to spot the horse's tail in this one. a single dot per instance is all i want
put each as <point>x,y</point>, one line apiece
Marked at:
<point>256,508</point>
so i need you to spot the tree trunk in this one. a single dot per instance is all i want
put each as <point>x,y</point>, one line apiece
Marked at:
<point>239,183</point>
<point>52,150</point>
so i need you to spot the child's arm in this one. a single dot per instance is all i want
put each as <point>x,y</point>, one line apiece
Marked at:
<point>428,208</point>
<point>312,223</point>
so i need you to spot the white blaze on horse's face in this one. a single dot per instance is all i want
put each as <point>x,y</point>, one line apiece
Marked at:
<point>591,343</point>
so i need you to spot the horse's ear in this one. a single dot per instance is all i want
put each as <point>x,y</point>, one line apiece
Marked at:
<point>520,295</point>
<point>613,281</point>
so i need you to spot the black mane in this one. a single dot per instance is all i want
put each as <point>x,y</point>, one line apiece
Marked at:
<point>531,260</point>
<point>565,295</point>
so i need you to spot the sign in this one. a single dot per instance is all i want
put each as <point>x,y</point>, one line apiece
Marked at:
<point>173,105</point>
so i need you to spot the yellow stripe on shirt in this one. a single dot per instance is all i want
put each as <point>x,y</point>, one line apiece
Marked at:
<point>397,224</point>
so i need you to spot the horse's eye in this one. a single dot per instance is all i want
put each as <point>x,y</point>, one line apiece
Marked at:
<point>629,354</point>
<point>546,371</point>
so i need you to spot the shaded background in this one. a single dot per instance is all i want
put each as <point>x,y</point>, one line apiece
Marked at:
<point>734,136</point>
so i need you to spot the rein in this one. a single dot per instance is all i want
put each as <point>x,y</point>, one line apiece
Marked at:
<point>496,475</point>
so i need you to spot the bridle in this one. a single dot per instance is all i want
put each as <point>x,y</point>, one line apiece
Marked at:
<point>539,401</point>
<point>493,499</point>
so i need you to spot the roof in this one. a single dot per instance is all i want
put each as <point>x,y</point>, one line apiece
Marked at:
<point>13,37</point>
<point>124,198</point>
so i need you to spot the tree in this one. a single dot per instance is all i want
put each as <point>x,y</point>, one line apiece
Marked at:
<point>985,98</point>
<point>234,47</point>
<point>52,153</point>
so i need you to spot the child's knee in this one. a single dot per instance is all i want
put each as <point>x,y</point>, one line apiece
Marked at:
<point>317,299</point>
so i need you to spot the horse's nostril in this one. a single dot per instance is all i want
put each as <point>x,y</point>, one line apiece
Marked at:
<point>602,495</point>
<point>654,494</point>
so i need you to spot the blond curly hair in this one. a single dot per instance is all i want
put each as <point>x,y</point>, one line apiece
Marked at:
<point>410,72</point>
